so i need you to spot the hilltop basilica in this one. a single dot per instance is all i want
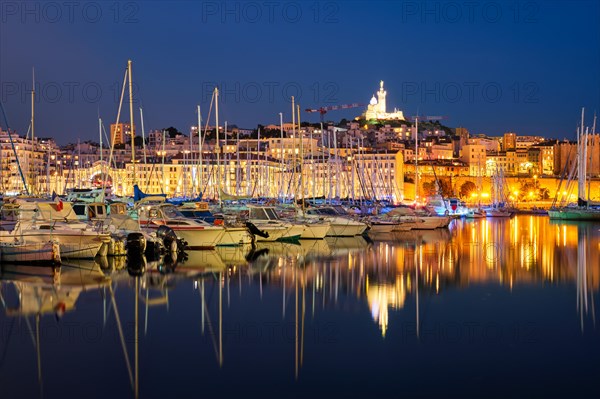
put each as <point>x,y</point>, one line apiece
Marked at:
<point>376,108</point>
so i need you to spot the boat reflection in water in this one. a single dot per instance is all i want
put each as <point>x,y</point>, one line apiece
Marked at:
<point>316,312</point>
<point>36,292</point>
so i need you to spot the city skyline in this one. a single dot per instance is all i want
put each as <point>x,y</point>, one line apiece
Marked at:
<point>492,68</point>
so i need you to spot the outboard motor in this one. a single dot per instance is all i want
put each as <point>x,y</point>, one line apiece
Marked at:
<point>153,250</point>
<point>169,238</point>
<point>256,231</point>
<point>136,244</point>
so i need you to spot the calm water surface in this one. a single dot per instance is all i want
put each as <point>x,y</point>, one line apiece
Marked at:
<point>487,308</point>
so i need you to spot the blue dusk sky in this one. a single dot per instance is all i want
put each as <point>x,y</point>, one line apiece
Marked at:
<point>492,67</point>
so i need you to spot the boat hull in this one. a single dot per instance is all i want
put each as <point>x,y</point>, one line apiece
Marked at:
<point>315,231</point>
<point>382,228</point>
<point>235,236</point>
<point>348,229</point>
<point>294,232</point>
<point>498,214</point>
<point>574,214</point>
<point>278,231</point>
<point>203,238</point>
<point>72,245</point>
<point>47,253</point>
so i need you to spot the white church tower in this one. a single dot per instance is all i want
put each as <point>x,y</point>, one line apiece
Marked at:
<point>377,107</point>
<point>381,99</point>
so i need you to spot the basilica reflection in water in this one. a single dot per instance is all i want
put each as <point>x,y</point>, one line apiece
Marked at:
<point>527,250</point>
<point>301,288</point>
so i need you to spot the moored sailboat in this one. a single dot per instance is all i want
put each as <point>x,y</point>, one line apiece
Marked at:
<point>584,209</point>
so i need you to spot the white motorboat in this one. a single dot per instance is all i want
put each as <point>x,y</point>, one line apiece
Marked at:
<point>196,234</point>
<point>340,225</point>
<point>265,219</point>
<point>42,221</point>
<point>47,253</point>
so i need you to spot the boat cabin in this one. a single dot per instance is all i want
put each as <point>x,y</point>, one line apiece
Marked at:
<point>263,213</point>
<point>90,210</point>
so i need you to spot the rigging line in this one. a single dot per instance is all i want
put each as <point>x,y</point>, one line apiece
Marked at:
<point>371,182</point>
<point>121,336</point>
<point>107,139</point>
<point>151,173</point>
<point>112,143</point>
<point>12,144</point>
<point>6,344</point>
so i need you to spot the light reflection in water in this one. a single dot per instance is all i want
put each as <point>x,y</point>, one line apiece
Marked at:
<point>387,277</point>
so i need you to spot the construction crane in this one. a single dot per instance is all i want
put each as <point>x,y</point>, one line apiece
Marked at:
<point>324,110</point>
<point>425,118</point>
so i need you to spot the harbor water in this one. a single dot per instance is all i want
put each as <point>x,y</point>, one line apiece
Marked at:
<point>485,308</point>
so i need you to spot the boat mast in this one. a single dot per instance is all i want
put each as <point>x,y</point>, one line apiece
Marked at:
<point>589,181</point>
<point>191,164</point>
<point>164,152</point>
<point>218,148</point>
<point>294,149</point>
<point>132,127</point>
<point>200,172</point>
<point>312,165</point>
<point>100,134</point>
<point>101,163</point>
<point>416,159</point>
<point>227,178</point>
<point>259,168</point>
<point>143,134</point>
<point>281,192</point>
<point>581,161</point>
<point>337,171</point>
<point>301,158</point>
<point>78,162</point>
<point>32,165</point>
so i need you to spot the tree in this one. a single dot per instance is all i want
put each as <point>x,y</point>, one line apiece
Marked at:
<point>446,188</point>
<point>172,132</point>
<point>343,123</point>
<point>138,140</point>
<point>527,191</point>
<point>429,188</point>
<point>442,187</point>
<point>466,189</point>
